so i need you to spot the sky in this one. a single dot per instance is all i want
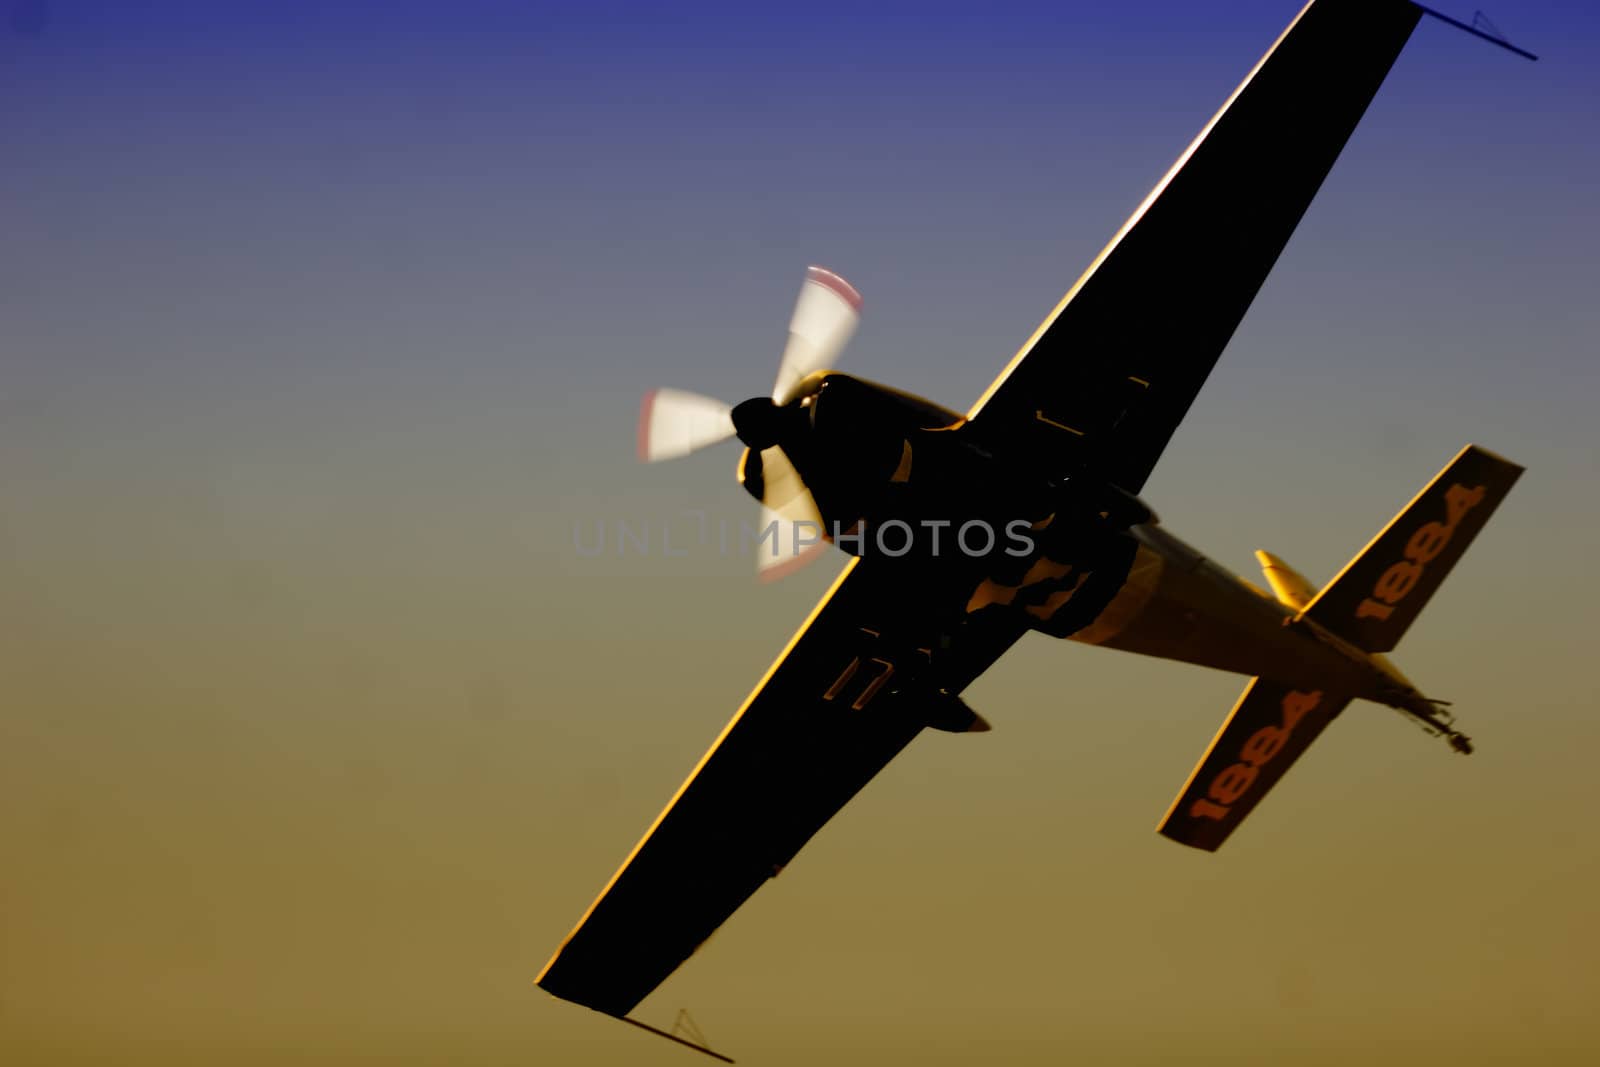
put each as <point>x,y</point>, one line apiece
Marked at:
<point>324,332</point>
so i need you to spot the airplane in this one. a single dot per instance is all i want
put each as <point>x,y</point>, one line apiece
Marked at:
<point>968,531</point>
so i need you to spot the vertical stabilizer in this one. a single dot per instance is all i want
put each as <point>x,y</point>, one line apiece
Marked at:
<point>1288,585</point>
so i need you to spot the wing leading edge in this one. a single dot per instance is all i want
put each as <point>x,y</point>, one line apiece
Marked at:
<point>1105,380</point>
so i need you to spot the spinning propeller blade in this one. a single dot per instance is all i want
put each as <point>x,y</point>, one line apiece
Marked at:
<point>787,503</point>
<point>824,318</point>
<point>674,423</point>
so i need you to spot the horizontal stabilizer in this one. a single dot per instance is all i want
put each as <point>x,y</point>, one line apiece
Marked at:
<point>1268,730</point>
<point>1378,595</point>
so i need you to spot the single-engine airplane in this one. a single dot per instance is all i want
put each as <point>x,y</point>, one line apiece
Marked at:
<point>1035,493</point>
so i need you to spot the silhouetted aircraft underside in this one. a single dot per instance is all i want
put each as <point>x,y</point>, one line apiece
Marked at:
<point>1024,514</point>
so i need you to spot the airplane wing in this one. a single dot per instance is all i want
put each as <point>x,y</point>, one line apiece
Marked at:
<point>1105,380</point>
<point>824,720</point>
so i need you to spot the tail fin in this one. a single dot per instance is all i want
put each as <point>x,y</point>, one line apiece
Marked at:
<point>1288,585</point>
<point>1374,599</point>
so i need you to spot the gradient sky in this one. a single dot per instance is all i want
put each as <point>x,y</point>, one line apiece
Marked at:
<point>326,324</point>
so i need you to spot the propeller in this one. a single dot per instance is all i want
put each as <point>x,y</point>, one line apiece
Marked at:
<point>674,423</point>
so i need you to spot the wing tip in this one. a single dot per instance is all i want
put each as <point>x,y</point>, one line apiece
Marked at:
<point>1199,844</point>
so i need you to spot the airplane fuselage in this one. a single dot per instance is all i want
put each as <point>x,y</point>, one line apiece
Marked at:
<point>898,477</point>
